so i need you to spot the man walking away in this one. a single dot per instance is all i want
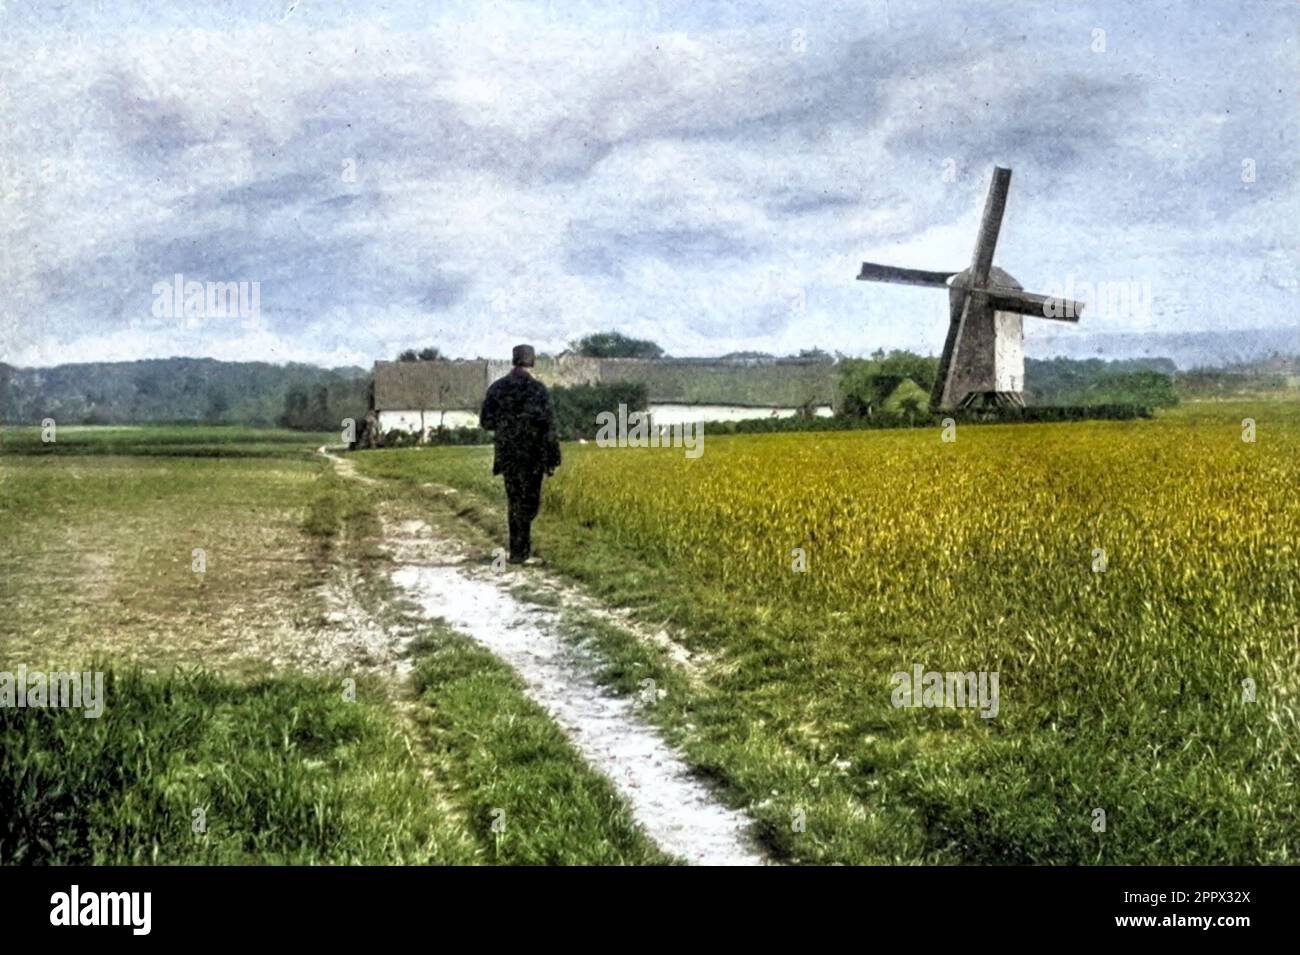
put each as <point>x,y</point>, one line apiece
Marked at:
<point>518,408</point>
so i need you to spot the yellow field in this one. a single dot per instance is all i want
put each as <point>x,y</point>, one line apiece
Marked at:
<point>1133,583</point>
<point>1189,516</point>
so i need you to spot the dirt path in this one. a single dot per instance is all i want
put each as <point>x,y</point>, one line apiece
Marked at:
<point>675,808</point>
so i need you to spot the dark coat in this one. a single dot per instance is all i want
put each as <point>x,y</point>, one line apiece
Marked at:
<point>518,408</point>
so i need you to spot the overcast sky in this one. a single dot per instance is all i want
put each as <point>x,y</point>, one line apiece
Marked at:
<point>709,175</point>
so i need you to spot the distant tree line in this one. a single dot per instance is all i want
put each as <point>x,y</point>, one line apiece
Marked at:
<point>897,383</point>
<point>1094,381</point>
<point>424,354</point>
<point>169,391</point>
<point>902,381</point>
<point>1236,382</point>
<point>615,345</point>
<point>927,419</point>
<point>324,407</point>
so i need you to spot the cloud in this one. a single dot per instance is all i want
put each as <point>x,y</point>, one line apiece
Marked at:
<point>709,179</point>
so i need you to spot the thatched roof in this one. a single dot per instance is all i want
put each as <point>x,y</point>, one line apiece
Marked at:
<point>784,383</point>
<point>442,385</point>
<point>459,385</point>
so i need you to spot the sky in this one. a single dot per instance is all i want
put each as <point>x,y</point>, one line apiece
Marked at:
<point>469,175</point>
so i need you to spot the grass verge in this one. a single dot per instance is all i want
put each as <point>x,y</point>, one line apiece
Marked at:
<point>532,798</point>
<point>191,767</point>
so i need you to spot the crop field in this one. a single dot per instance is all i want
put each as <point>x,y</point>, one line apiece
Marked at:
<point>1134,586</point>
<point>226,736</point>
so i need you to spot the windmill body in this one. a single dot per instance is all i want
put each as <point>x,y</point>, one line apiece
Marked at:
<point>988,357</point>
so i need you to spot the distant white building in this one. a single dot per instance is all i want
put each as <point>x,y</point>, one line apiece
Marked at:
<point>419,396</point>
<point>420,420</point>
<point>664,413</point>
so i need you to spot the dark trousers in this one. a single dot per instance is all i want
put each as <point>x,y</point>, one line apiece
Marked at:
<point>523,498</point>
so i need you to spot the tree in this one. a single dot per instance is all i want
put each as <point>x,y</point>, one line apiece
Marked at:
<point>318,418</point>
<point>424,354</point>
<point>218,405</point>
<point>746,355</point>
<point>865,383</point>
<point>322,407</point>
<point>578,407</point>
<point>908,398</point>
<point>295,408</point>
<point>616,345</point>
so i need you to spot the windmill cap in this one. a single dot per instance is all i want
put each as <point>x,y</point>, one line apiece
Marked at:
<point>523,355</point>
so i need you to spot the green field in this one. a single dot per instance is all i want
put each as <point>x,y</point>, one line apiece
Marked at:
<point>1121,688</point>
<point>224,695</point>
<point>1121,691</point>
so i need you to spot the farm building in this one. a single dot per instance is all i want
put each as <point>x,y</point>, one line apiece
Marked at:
<point>419,395</point>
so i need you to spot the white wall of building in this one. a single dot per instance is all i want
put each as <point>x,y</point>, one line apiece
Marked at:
<point>665,414</point>
<point>682,414</point>
<point>411,420</point>
<point>1009,351</point>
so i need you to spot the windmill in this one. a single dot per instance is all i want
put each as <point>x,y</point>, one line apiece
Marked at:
<point>983,362</point>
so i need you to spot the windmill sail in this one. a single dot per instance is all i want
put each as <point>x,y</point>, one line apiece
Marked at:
<point>1031,303</point>
<point>871,272</point>
<point>990,225</point>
